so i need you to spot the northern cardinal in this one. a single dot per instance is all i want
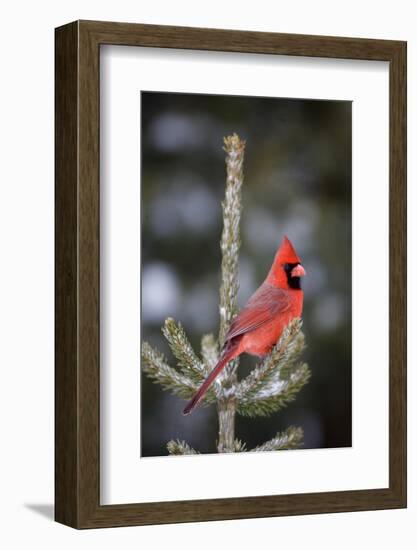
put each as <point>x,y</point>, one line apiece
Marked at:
<point>259,325</point>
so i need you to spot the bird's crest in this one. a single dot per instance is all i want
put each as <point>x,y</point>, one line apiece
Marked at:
<point>286,253</point>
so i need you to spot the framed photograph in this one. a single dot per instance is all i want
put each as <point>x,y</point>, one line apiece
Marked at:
<point>230,274</point>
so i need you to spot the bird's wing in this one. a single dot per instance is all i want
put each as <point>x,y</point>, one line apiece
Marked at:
<point>262,307</point>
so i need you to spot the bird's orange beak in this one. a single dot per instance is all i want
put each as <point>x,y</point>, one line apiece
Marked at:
<point>298,271</point>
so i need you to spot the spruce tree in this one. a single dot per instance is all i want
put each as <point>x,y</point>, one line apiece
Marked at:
<point>270,386</point>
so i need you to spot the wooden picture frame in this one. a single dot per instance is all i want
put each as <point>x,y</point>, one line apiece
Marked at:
<point>77,374</point>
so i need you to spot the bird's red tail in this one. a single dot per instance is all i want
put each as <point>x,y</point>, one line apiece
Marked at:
<point>225,358</point>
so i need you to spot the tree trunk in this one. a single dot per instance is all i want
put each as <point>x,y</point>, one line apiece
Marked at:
<point>227,411</point>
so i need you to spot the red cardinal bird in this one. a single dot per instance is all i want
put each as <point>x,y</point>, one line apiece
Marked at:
<point>259,325</point>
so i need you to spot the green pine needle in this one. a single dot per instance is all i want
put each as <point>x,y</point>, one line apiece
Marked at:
<point>181,348</point>
<point>264,404</point>
<point>291,438</point>
<point>155,366</point>
<point>240,446</point>
<point>177,447</point>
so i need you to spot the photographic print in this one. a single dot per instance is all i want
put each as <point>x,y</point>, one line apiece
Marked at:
<point>213,192</point>
<point>245,274</point>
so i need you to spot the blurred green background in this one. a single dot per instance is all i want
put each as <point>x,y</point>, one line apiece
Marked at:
<point>297,182</point>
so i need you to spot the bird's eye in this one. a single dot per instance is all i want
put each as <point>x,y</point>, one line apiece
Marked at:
<point>289,267</point>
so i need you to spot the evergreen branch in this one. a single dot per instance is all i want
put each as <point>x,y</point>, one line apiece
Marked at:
<point>191,366</point>
<point>230,240</point>
<point>240,446</point>
<point>268,378</point>
<point>177,447</point>
<point>156,368</point>
<point>294,352</point>
<point>182,350</point>
<point>290,439</point>
<point>282,393</point>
